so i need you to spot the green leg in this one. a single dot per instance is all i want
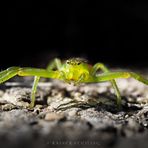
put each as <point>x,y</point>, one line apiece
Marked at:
<point>37,73</point>
<point>26,71</point>
<point>54,64</point>
<point>8,73</point>
<point>115,75</point>
<point>13,71</point>
<point>113,82</point>
<point>34,88</point>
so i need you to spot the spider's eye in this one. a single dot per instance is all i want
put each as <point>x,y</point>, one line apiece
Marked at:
<point>75,61</point>
<point>67,62</point>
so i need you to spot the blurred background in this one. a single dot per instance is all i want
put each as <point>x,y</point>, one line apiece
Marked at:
<point>113,32</point>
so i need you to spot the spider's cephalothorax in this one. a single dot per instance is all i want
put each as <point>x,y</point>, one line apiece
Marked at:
<point>75,70</point>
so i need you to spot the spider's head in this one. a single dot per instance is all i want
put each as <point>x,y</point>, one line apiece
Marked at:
<point>74,68</point>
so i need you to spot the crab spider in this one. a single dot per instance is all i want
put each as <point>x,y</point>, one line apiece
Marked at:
<point>74,70</point>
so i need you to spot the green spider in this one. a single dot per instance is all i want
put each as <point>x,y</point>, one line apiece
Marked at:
<point>74,70</point>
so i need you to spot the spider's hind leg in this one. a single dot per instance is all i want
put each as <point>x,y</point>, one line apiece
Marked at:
<point>101,66</point>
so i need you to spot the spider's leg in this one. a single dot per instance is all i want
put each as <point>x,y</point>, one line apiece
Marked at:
<point>26,71</point>
<point>101,66</point>
<point>54,64</point>
<point>124,74</point>
<point>37,73</point>
<point>34,88</point>
<point>8,73</point>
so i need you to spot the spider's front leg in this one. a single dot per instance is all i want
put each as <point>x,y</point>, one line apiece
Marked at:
<point>101,66</point>
<point>26,71</point>
<point>114,75</point>
<point>124,74</point>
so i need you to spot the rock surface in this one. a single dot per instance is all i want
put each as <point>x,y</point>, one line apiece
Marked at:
<point>74,116</point>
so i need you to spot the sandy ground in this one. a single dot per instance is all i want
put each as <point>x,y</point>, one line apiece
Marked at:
<point>73,116</point>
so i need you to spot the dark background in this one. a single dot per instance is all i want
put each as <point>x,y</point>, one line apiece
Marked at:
<point>114,32</point>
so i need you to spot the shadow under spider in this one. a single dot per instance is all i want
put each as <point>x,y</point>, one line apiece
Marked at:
<point>94,103</point>
<point>109,106</point>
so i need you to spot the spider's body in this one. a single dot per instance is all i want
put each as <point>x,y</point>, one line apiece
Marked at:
<point>75,70</point>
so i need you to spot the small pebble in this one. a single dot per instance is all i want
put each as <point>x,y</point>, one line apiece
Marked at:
<point>53,116</point>
<point>8,107</point>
